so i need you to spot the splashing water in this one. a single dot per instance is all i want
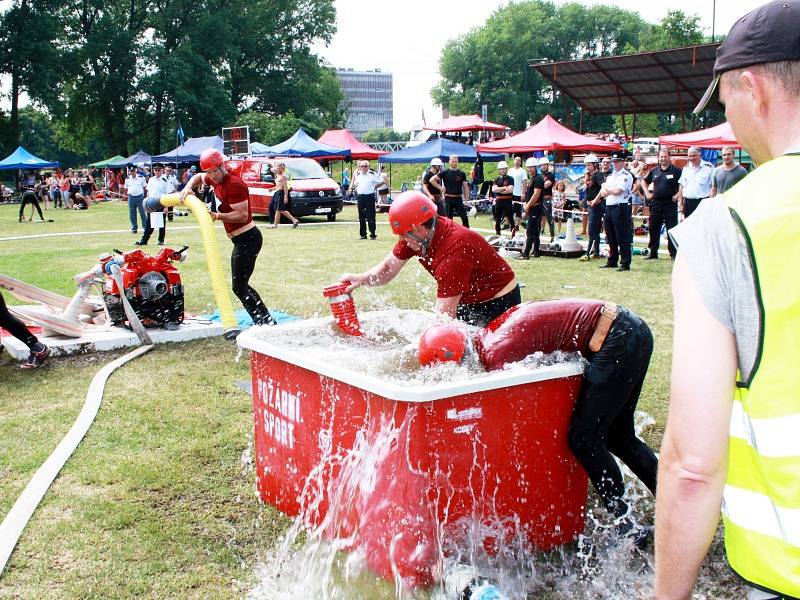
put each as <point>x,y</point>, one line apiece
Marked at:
<point>348,511</point>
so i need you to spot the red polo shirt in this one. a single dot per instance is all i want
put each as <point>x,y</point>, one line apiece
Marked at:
<point>461,262</point>
<point>231,191</point>
<point>547,326</point>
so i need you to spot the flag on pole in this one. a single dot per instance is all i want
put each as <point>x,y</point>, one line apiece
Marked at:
<point>180,135</point>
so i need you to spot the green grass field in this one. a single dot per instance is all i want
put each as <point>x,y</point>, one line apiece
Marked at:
<point>157,501</point>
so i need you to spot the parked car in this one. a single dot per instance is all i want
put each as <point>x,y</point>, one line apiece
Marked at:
<point>646,145</point>
<point>313,192</point>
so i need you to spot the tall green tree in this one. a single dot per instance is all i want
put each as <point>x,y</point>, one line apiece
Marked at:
<point>27,56</point>
<point>490,64</point>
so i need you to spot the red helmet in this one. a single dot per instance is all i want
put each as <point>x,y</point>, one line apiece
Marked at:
<point>211,158</point>
<point>409,210</point>
<point>442,343</point>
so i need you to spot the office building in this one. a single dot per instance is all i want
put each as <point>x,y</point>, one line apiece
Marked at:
<point>368,100</point>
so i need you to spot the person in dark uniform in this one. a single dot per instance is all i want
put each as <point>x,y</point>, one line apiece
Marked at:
<point>432,185</point>
<point>617,221</point>
<point>533,208</point>
<point>595,206</point>
<point>617,345</point>
<point>502,189</point>
<point>664,202</point>
<point>456,191</point>
<point>549,179</point>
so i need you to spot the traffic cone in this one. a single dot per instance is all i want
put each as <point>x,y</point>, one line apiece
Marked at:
<point>570,242</point>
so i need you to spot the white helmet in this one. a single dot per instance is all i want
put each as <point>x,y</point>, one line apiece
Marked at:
<point>502,165</point>
<point>436,162</point>
<point>544,160</point>
<point>531,162</point>
<point>590,158</point>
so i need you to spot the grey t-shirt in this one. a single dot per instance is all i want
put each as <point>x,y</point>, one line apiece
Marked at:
<point>716,252</point>
<point>724,180</point>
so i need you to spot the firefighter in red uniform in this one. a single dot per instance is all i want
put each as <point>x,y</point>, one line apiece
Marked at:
<point>233,209</point>
<point>617,345</point>
<point>475,284</point>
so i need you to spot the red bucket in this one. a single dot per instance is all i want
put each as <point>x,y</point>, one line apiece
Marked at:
<point>343,308</point>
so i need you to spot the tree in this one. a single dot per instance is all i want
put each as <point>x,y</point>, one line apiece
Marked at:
<point>675,30</point>
<point>27,30</point>
<point>490,64</point>
<point>383,135</point>
<point>271,130</point>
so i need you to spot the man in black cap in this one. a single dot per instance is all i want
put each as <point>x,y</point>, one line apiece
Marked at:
<point>617,222</point>
<point>731,439</point>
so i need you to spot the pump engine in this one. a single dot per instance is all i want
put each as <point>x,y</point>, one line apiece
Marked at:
<point>151,284</point>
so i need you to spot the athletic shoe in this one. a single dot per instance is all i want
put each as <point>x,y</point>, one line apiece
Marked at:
<point>623,268</point>
<point>296,224</point>
<point>36,359</point>
<point>523,257</point>
<point>607,266</point>
<point>140,243</point>
<point>373,237</point>
<point>584,258</point>
<point>651,257</point>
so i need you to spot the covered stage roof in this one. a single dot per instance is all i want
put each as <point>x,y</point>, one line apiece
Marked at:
<point>650,82</point>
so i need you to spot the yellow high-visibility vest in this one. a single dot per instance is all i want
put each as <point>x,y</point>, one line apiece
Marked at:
<point>761,507</point>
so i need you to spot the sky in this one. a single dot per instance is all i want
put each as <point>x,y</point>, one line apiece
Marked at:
<point>406,37</point>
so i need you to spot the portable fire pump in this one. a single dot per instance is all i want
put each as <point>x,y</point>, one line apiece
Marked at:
<point>151,284</point>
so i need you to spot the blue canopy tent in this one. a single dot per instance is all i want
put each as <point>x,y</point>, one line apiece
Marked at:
<point>22,159</point>
<point>190,150</point>
<point>259,149</point>
<point>141,158</point>
<point>302,144</point>
<point>438,148</point>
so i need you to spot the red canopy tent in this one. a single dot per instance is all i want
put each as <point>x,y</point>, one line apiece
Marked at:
<point>466,123</point>
<point>547,135</point>
<point>712,138</point>
<point>341,138</point>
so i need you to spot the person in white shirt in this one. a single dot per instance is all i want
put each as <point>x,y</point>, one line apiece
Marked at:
<point>365,183</point>
<point>617,221</point>
<point>172,185</point>
<point>156,187</point>
<point>134,183</point>
<point>695,181</point>
<point>520,178</point>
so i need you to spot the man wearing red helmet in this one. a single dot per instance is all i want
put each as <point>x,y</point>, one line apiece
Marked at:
<point>233,209</point>
<point>475,284</point>
<point>617,345</point>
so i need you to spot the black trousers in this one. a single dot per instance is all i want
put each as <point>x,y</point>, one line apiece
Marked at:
<point>148,229</point>
<point>602,422</point>
<point>455,206</point>
<point>246,247</point>
<point>619,233</point>
<point>662,212</point>
<point>504,208</point>
<point>29,197</point>
<point>366,214</point>
<point>689,206</point>
<point>16,327</point>
<point>547,212</point>
<point>532,231</point>
<point>596,214</point>
<point>481,314</point>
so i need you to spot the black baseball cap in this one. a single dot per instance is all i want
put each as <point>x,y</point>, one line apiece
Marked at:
<point>617,156</point>
<point>770,33</point>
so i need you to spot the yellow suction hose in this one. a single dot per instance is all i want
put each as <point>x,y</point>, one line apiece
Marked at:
<point>219,287</point>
